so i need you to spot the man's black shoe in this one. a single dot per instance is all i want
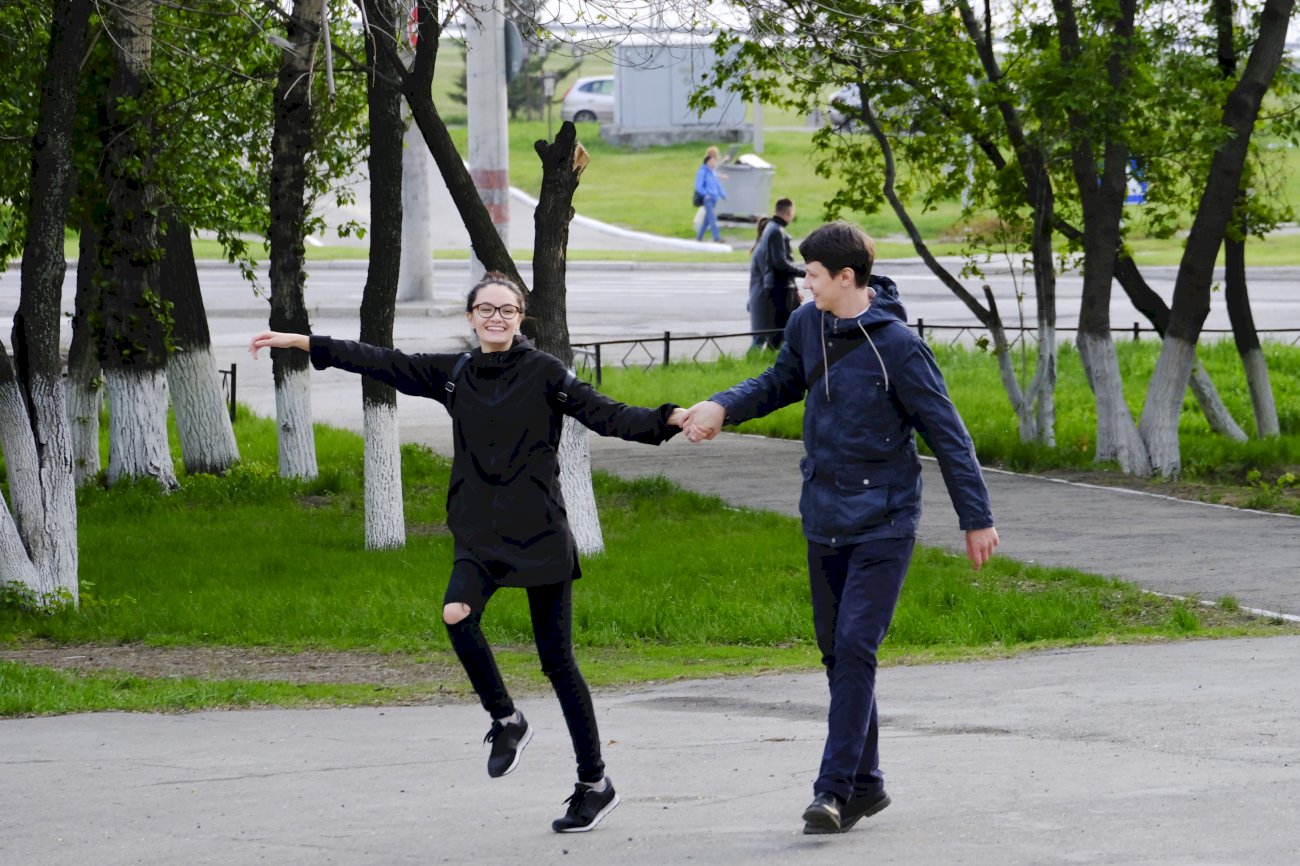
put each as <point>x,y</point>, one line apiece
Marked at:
<point>823,814</point>
<point>508,741</point>
<point>862,805</point>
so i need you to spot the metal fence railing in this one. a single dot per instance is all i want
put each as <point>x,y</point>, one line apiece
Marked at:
<point>647,352</point>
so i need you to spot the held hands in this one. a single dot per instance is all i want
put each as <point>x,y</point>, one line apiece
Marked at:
<point>980,544</point>
<point>703,420</point>
<point>277,340</point>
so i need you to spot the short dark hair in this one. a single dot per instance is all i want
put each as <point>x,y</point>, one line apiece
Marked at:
<point>783,204</point>
<point>494,278</point>
<point>841,245</point>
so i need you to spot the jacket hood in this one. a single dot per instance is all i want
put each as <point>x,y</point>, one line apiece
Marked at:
<point>885,307</point>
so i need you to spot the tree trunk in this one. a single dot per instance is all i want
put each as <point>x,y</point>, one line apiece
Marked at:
<point>1191,303</point>
<point>1151,305</point>
<point>202,420</point>
<point>1102,197</point>
<point>134,329</point>
<point>39,550</point>
<point>385,522</point>
<point>85,381</point>
<point>137,426</point>
<point>563,162</point>
<point>291,139</point>
<point>1237,294</point>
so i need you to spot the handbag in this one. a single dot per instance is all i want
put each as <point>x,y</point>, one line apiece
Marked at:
<point>697,199</point>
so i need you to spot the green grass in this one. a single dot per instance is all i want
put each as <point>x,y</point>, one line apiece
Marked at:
<point>251,560</point>
<point>973,381</point>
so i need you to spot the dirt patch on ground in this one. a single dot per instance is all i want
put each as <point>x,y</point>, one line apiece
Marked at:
<point>238,663</point>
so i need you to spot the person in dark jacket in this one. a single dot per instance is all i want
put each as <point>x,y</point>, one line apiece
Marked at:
<point>868,384</point>
<point>773,295</point>
<point>507,402</point>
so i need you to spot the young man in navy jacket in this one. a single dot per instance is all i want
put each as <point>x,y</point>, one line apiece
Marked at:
<point>867,382</point>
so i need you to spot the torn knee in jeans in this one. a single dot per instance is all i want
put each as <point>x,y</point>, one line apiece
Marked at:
<point>455,612</point>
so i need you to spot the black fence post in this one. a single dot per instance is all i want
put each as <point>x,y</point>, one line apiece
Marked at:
<point>233,380</point>
<point>668,340</point>
<point>598,363</point>
<point>1137,332</point>
<point>920,328</point>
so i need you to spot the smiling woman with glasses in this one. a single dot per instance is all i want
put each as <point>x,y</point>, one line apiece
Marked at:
<point>507,401</point>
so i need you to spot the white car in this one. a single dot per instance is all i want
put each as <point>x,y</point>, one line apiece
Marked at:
<point>589,99</point>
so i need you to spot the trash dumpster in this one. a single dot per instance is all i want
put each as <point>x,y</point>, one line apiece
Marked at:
<point>748,183</point>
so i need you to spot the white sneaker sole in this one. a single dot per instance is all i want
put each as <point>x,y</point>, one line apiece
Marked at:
<point>519,752</point>
<point>594,821</point>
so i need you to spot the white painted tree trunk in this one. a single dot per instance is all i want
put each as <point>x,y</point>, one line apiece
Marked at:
<point>85,398</point>
<point>415,282</point>
<point>137,426</point>
<point>575,484</point>
<point>38,542</point>
<point>385,515</point>
<point>1045,379</point>
<point>1159,425</point>
<point>293,413</point>
<point>1117,433</point>
<point>1212,406</point>
<point>202,419</point>
<point>1261,394</point>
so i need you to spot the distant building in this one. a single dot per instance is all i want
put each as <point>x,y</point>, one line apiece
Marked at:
<point>653,81</point>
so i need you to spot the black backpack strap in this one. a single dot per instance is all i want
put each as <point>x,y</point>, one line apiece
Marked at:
<point>841,347</point>
<point>454,378</point>
<point>562,395</point>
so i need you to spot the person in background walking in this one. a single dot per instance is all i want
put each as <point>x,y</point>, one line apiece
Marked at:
<point>708,192</point>
<point>505,510</point>
<point>868,384</point>
<point>773,294</point>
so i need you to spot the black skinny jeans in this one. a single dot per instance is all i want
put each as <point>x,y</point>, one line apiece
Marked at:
<point>551,609</point>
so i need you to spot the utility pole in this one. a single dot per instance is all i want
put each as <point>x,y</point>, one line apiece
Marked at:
<point>489,146</point>
<point>415,271</point>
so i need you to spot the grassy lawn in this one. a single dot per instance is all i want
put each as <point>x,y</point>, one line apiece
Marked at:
<point>251,561</point>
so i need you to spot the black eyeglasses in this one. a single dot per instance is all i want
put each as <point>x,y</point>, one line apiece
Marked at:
<point>486,311</point>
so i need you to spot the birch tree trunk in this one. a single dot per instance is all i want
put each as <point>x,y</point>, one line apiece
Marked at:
<point>85,381</point>
<point>38,548</point>
<point>133,314</point>
<point>202,420</point>
<point>291,139</point>
<point>385,515</point>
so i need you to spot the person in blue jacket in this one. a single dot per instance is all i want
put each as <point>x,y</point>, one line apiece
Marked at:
<point>505,510</point>
<point>868,383</point>
<point>709,191</point>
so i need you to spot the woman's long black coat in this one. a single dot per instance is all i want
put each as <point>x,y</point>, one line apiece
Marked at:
<point>504,506</point>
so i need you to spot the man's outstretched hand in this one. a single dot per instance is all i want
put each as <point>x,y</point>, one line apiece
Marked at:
<point>704,420</point>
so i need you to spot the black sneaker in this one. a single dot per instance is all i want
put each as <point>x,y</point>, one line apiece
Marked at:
<point>586,808</point>
<point>823,814</point>
<point>508,741</point>
<point>863,804</point>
